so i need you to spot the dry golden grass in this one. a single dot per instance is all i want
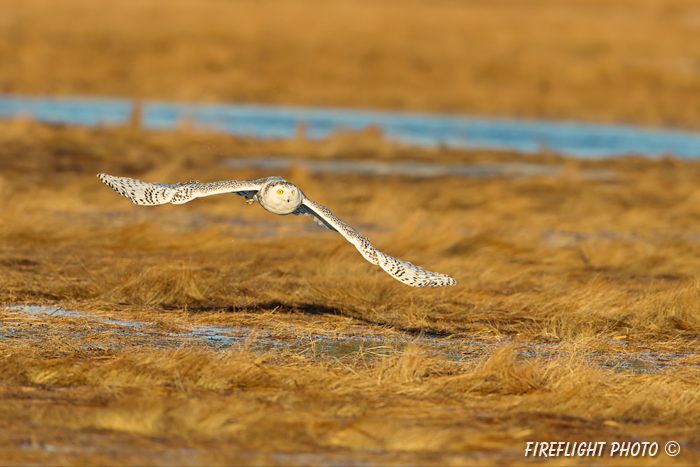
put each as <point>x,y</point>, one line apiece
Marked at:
<point>238,407</point>
<point>610,60</point>
<point>615,245</point>
<point>565,284</point>
<point>576,315</point>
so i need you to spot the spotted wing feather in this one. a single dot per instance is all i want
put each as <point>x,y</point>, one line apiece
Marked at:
<point>149,194</point>
<point>403,271</point>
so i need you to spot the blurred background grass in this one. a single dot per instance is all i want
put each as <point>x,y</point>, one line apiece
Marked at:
<point>597,60</point>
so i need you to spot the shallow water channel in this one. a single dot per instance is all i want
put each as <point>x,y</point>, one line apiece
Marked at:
<point>578,139</point>
<point>42,323</point>
<point>410,168</point>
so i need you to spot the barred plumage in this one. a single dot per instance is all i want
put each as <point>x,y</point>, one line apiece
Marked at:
<point>279,197</point>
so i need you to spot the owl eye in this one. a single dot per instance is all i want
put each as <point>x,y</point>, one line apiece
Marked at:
<point>279,192</point>
<point>293,191</point>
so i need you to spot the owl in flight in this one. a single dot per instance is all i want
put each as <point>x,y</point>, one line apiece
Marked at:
<point>279,197</point>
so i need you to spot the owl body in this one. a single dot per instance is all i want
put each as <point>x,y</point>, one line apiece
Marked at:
<point>279,197</point>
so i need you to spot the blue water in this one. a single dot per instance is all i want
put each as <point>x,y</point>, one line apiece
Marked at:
<point>266,121</point>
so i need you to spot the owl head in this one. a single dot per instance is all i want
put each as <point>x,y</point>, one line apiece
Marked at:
<point>280,197</point>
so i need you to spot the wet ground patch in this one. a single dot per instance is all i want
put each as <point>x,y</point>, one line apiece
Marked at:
<point>93,331</point>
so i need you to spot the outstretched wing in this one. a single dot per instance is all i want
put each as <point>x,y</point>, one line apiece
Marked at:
<point>403,271</point>
<point>148,194</point>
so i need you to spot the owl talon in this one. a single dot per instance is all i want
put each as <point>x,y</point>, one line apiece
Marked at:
<point>249,201</point>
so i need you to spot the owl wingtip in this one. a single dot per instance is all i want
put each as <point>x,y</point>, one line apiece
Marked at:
<point>449,281</point>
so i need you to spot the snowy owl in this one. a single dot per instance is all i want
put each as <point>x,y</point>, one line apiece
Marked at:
<point>279,197</point>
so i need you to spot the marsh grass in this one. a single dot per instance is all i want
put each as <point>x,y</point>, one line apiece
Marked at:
<point>407,403</point>
<point>619,60</point>
<point>602,269</point>
<point>575,317</point>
